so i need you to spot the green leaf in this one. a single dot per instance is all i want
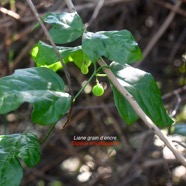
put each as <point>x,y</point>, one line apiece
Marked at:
<point>66,27</point>
<point>124,108</point>
<point>44,55</point>
<point>12,148</point>
<point>142,86</point>
<point>41,87</point>
<point>117,46</point>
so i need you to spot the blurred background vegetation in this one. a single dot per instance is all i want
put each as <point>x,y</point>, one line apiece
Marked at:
<point>140,159</point>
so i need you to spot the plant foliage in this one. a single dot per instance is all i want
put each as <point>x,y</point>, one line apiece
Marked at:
<point>13,148</point>
<point>45,90</point>
<point>66,27</point>
<point>41,87</point>
<point>117,46</point>
<point>142,86</point>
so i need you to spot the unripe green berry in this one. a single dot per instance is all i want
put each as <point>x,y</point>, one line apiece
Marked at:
<point>84,69</point>
<point>98,90</point>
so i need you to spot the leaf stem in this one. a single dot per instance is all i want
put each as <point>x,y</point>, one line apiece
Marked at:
<point>101,75</point>
<point>48,133</point>
<point>102,67</point>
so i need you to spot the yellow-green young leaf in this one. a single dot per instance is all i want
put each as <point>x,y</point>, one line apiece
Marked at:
<point>41,87</point>
<point>12,148</point>
<point>66,27</point>
<point>142,86</point>
<point>55,67</point>
<point>84,69</point>
<point>44,55</point>
<point>118,46</point>
<point>79,58</point>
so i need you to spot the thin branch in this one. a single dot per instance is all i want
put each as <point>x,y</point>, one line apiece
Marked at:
<point>10,13</point>
<point>171,7</point>
<point>160,32</point>
<point>51,128</point>
<point>177,105</point>
<point>51,42</point>
<point>142,114</point>
<point>96,12</point>
<point>177,91</point>
<point>70,5</point>
<point>180,143</point>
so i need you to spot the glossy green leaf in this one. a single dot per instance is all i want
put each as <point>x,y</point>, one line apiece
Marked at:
<point>124,108</point>
<point>142,86</point>
<point>41,87</point>
<point>13,148</point>
<point>66,27</point>
<point>44,55</point>
<point>118,46</point>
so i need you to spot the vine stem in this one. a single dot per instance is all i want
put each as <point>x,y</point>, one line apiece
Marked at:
<point>67,75</point>
<point>48,133</point>
<point>91,77</point>
<point>142,114</point>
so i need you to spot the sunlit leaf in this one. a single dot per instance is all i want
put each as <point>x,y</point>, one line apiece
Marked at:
<point>44,55</point>
<point>66,27</point>
<point>118,46</point>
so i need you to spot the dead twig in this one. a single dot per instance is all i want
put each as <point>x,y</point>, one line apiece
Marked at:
<point>96,12</point>
<point>171,7</point>
<point>160,32</point>
<point>180,143</point>
<point>10,13</point>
